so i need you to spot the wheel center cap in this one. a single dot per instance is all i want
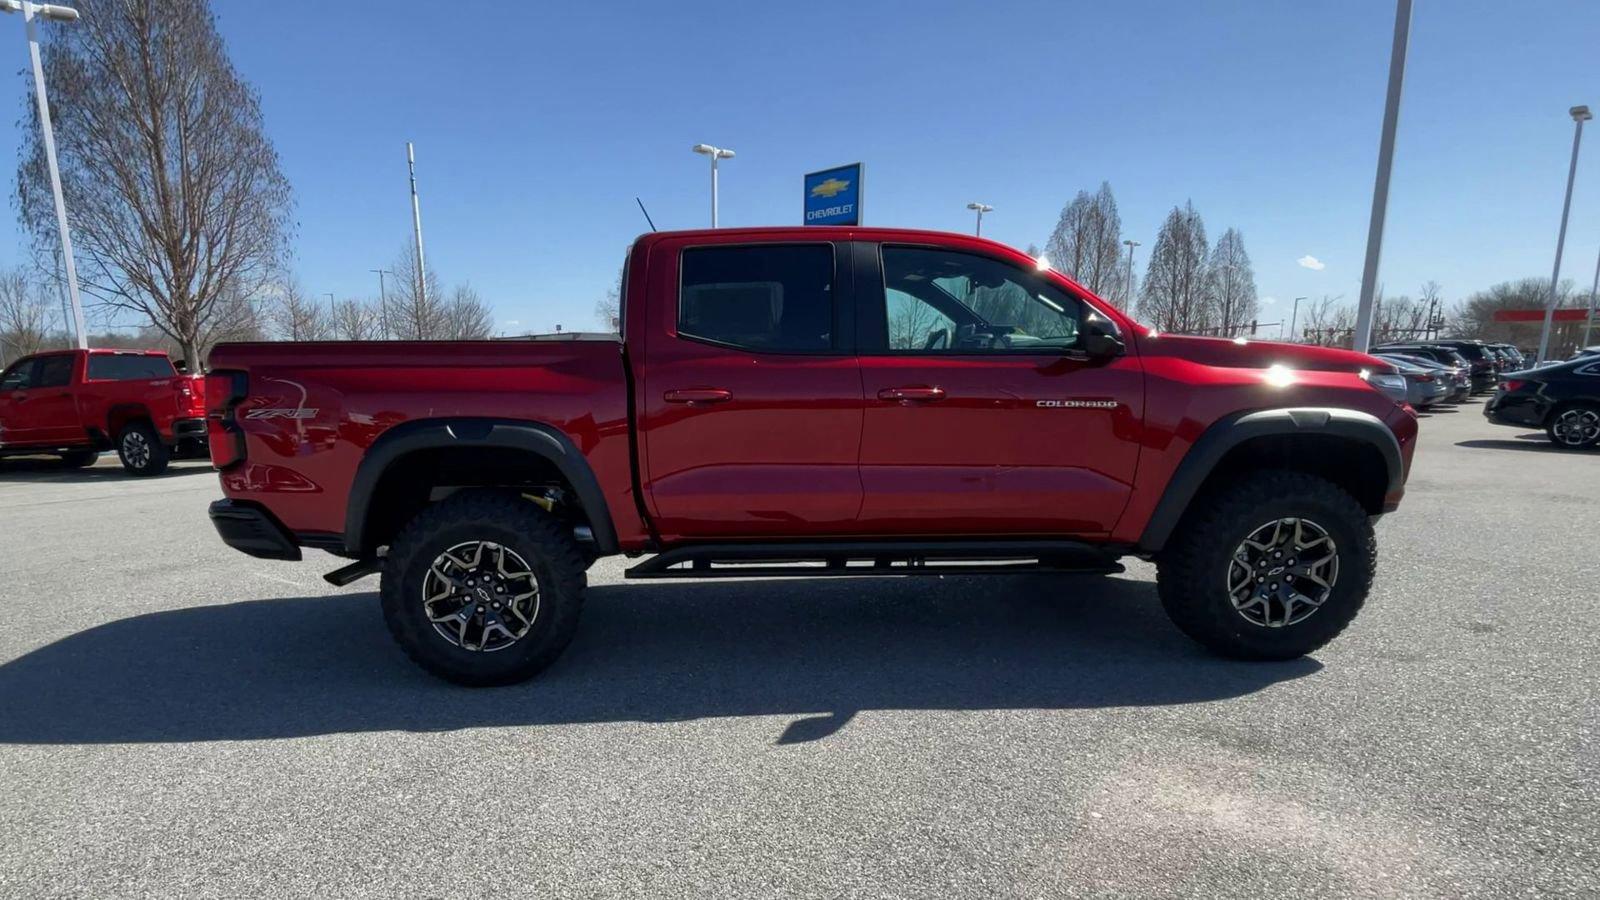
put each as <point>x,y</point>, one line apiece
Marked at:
<point>1276,571</point>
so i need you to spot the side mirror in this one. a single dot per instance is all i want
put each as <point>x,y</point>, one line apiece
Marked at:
<point>1099,339</point>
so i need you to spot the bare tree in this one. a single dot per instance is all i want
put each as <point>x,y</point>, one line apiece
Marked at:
<point>413,315</point>
<point>466,316</point>
<point>297,317</point>
<point>1086,244</point>
<point>608,309</point>
<point>26,318</point>
<point>1232,285</point>
<point>1328,321</point>
<point>356,320</point>
<point>1174,296</point>
<point>1475,316</point>
<point>239,317</point>
<point>174,190</point>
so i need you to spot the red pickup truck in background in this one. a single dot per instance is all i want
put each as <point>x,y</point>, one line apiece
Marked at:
<point>815,402</point>
<point>76,403</point>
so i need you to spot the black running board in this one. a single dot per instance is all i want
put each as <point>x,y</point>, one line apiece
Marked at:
<point>855,559</point>
<point>354,572</point>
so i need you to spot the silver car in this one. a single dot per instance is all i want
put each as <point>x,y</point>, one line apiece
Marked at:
<point>1424,388</point>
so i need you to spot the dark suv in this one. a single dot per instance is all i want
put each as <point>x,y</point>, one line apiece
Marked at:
<point>1479,360</point>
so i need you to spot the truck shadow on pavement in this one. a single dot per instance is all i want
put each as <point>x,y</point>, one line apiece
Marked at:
<point>52,471</point>
<point>819,650</point>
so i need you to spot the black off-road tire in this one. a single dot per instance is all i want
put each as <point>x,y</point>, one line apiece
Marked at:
<point>80,459</point>
<point>141,450</point>
<point>1192,571</point>
<point>503,518</point>
<point>1555,416</point>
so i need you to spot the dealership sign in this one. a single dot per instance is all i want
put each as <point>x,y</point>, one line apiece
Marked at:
<point>833,196</point>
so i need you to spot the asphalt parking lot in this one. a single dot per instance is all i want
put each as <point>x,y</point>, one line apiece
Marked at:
<point>176,718</point>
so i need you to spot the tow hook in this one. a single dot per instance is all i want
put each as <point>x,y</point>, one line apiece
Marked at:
<point>356,571</point>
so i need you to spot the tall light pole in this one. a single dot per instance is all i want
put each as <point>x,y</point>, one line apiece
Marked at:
<point>383,301</point>
<point>416,223</point>
<point>31,12</point>
<point>1580,114</point>
<point>715,153</point>
<point>1294,316</point>
<point>980,208</point>
<point>1588,320</point>
<point>1130,245</point>
<point>333,316</point>
<point>1380,188</point>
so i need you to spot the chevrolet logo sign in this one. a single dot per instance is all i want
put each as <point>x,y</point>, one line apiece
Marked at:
<point>829,188</point>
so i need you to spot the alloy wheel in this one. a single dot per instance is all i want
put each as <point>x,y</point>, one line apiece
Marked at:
<point>136,449</point>
<point>481,596</point>
<point>1577,427</point>
<point>1282,572</point>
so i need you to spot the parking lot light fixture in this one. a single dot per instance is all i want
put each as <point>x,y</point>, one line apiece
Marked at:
<point>31,12</point>
<point>1580,114</point>
<point>716,153</point>
<point>980,208</point>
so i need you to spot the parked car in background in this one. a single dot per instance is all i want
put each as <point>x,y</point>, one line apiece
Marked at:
<point>77,403</point>
<point>1456,379</point>
<point>1514,358</point>
<point>1424,387</point>
<point>1479,363</point>
<point>1563,399</point>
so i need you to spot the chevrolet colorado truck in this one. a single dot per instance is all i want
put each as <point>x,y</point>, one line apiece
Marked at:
<point>815,402</point>
<point>76,403</point>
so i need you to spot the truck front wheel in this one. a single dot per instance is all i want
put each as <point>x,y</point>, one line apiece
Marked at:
<point>140,448</point>
<point>1273,567</point>
<point>483,588</point>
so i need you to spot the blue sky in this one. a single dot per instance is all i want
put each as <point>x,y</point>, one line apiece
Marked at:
<point>536,124</point>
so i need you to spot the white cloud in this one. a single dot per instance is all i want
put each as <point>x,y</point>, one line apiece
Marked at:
<point>1268,301</point>
<point>1311,262</point>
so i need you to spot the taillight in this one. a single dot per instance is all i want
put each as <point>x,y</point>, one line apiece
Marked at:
<point>1425,378</point>
<point>224,391</point>
<point>1511,384</point>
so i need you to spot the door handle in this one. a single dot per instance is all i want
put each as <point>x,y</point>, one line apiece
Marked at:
<point>911,393</point>
<point>698,395</point>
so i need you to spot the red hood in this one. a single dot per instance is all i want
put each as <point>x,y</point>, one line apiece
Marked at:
<point>1242,353</point>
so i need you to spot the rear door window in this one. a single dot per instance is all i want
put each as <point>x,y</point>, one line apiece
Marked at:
<point>128,366</point>
<point>776,298</point>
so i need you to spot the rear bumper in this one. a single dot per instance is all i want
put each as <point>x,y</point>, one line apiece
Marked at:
<point>1520,410</point>
<point>250,529</point>
<point>189,428</point>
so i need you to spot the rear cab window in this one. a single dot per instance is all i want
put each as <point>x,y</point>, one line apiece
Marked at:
<point>776,298</point>
<point>128,367</point>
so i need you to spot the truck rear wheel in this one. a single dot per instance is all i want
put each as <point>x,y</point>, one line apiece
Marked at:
<point>1273,567</point>
<point>140,448</point>
<point>483,588</point>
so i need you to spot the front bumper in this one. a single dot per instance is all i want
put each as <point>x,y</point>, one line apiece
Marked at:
<point>249,528</point>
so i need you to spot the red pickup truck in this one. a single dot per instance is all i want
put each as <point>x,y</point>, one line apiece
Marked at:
<point>76,403</point>
<point>815,402</point>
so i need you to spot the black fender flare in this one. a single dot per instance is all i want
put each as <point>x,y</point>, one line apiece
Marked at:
<point>1231,431</point>
<point>428,434</point>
